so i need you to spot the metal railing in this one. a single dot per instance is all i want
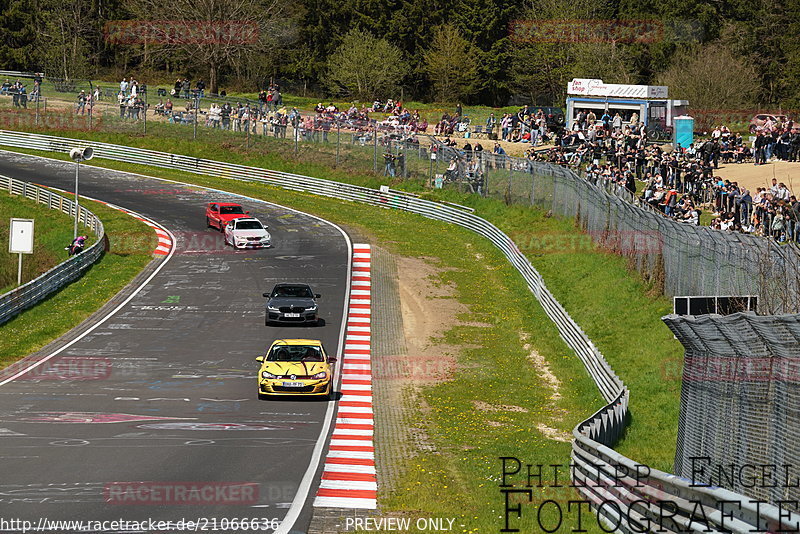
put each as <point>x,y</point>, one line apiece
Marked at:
<point>38,289</point>
<point>632,504</point>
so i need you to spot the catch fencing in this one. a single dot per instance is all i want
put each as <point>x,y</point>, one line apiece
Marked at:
<point>38,289</point>
<point>740,403</point>
<point>680,258</point>
<point>630,504</point>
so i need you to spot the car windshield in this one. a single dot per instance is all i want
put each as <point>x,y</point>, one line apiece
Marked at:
<point>249,225</point>
<point>303,292</point>
<point>295,353</point>
<point>229,210</point>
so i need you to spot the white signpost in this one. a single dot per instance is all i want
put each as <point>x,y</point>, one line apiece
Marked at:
<point>20,241</point>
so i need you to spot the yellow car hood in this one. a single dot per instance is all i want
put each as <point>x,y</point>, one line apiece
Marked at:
<point>295,368</point>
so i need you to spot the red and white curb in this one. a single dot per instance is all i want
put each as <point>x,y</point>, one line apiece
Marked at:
<point>165,241</point>
<point>349,478</point>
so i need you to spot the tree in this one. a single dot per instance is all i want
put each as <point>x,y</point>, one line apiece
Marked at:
<point>366,67</point>
<point>17,34</point>
<point>213,35</point>
<point>711,77</point>
<point>62,49</point>
<point>452,64</point>
<point>545,59</point>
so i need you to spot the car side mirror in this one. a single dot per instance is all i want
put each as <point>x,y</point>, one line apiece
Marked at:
<point>331,359</point>
<point>265,295</point>
<point>259,358</point>
<point>317,296</point>
<point>247,213</point>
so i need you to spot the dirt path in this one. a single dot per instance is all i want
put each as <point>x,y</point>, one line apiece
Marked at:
<point>753,176</point>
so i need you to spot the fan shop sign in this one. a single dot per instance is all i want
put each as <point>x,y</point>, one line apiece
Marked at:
<point>595,87</point>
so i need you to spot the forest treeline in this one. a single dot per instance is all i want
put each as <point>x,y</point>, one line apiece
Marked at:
<point>730,54</point>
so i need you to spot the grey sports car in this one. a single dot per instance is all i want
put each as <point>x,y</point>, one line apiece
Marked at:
<point>291,303</point>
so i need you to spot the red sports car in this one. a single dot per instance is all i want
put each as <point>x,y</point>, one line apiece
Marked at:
<point>218,214</point>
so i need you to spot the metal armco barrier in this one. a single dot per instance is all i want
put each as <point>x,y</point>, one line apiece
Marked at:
<point>630,504</point>
<point>33,292</point>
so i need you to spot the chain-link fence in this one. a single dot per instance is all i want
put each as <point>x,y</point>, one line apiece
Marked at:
<point>740,403</point>
<point>680,258</point>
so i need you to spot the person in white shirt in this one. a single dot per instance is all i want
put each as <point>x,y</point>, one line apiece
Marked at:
<point>782,193</point>
<point>123,86</point>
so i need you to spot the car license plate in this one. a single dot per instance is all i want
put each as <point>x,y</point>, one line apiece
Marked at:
<point>292,315</point>
<point>292,384</point>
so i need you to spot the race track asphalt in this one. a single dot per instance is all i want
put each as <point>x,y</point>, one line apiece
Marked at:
<point>165,390</point>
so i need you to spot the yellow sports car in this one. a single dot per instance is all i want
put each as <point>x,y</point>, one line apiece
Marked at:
<point>295,367</point>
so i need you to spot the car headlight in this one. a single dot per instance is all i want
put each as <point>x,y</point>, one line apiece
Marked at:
<point>272,308</point>
<point>312,308</point>
<point>265,374</point>
<point>320,375</point>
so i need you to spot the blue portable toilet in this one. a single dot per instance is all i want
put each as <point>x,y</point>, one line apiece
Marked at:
<point>684,131</point>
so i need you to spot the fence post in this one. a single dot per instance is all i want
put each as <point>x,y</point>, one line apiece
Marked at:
<point>144,112</point>
<point>405,160</point>
<point>295,138</point>
<point>194,133</point>
<point>375,151</point>
<point>338,135</point>
<point>510,179</point>
<point>91,103</point>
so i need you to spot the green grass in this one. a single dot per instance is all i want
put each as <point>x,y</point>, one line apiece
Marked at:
<point>615,308</point>
<point>132,244</point>
<point>52,232</point>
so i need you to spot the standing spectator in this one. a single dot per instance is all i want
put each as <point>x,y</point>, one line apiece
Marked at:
<point>606,119</point>
<point>123,86</point>
<point>201,87</point>
<point>591,119</point>
<point>121,99</point>
<point>491,122</point>
<point>81,107</point>
<point>616,123</point>
<point>187,88</point>
<point>225,115</point>
<point>506,124</point>
<point>581,120</point>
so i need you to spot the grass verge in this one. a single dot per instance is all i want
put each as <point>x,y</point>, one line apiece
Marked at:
<point>53,317</point>
<point>460,477</point>
<point>52,232</point>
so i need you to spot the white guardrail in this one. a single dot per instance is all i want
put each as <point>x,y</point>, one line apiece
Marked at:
<point>33,292</point>
<point>621,493</point>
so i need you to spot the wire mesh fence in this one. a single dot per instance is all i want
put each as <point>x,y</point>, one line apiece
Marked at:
<point>740,403</point>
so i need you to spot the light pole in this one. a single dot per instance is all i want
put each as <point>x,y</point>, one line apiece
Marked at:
<point>78,155</point>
